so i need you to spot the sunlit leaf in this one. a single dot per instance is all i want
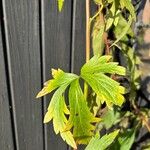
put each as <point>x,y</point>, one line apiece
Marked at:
<point>60,78</point>
<point>101,64</point>
<point>106,88</point>
<point>56,111</point>
<point>98,143</point>
<point>81,118</point>
<point>125,140</point>
<point>60,4</point>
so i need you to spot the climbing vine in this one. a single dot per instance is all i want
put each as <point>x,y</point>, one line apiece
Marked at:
<point>110,84</point>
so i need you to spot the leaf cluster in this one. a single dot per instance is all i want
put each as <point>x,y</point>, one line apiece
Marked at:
<point>78,117</point>
<point>75,122</point>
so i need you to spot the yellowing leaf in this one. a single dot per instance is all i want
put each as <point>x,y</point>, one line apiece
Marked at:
<point>81,118</point>
<point>97,143</point>
<point>60,78</point>
<point>60,4</point>
<point>93,72</point>
<point>56,111</point>
<point>99,64</point>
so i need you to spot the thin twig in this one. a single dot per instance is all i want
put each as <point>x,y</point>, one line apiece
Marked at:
<point>99,11</point>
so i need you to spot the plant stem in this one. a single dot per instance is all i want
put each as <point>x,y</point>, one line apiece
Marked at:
<point>99,11</point>
<point>87,41</point>
<point>87,30</point>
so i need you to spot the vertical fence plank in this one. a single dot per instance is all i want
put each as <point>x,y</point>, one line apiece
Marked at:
<point>23,52</point>
<point>6,142</point>
<point>56,37</point>
<point>78,36</point>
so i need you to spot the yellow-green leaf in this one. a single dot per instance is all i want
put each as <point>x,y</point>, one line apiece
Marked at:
<point>99,64</point>
<point>60,78</point>
<point>124,31</point>
<point>81,118</point>
<point>56,111</point>
<point>128,5</point>
<point>98,37</point>
<point>109,90</point>
<point>60,4</point>
<point>98,143</point>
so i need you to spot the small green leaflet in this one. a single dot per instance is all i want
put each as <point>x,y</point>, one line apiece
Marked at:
<point>125,140</point>
<point>60,4</point>
<point>128,5</point>
<point>98,143</point>
<point>93,72</point>
<point>124,31</point>
<point>110,118</point>
<point>81,118</point>
<point>60,78</point>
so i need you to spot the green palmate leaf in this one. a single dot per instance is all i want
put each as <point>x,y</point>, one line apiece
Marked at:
<point>81,118</point>
<point>105,87</point>
<point>60,4</point>
<point>56,111</point>
<point>57,107</point>
<point>60,78</point>
<point>98,143</point>
<point>125,140</point>
<point>101,64</point>
<point>128,5</point>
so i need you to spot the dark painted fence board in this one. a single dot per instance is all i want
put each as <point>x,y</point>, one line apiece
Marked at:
<point>78,36</point>
<point>56,37</point>
<point>22,37</point>
<point>6,141</point>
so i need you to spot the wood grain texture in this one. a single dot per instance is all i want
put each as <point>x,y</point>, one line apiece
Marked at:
<point>23,52</point>
<point>56,45</point>
<point>78,36</point>
<point>6,142</point>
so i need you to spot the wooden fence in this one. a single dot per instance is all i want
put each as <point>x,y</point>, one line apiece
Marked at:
<point>35,37</point>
